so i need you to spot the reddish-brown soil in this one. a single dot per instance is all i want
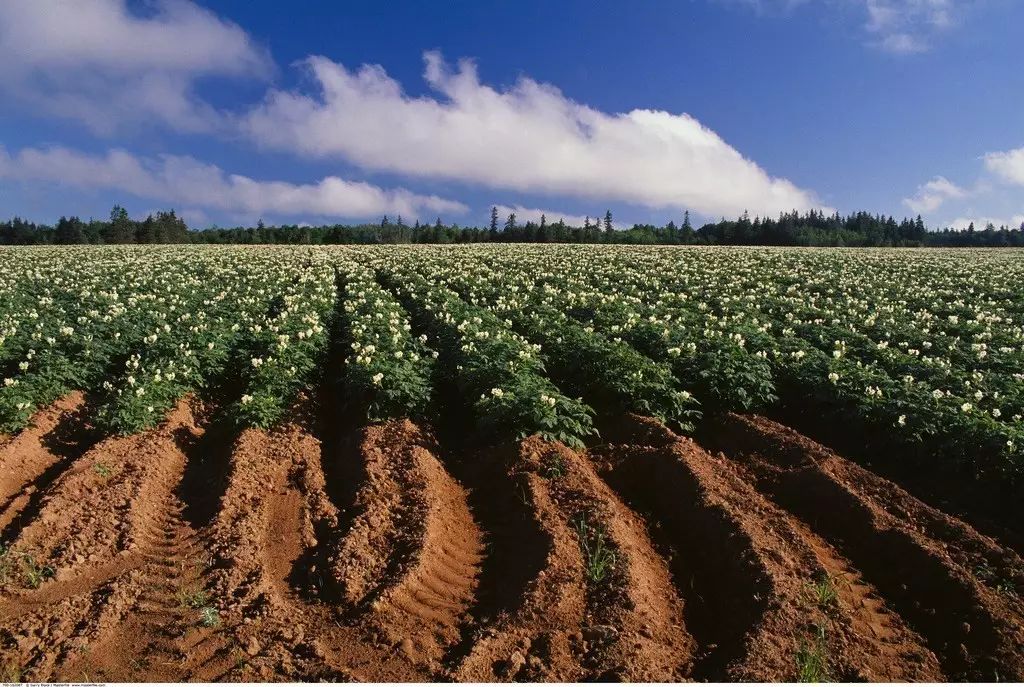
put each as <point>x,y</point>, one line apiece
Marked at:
<point>193,552</point>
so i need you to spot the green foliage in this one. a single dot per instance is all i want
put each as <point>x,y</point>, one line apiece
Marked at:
<point>209,617</point>
<point>284,349</point>
<point>822,591</point>
<point>484,359</point>
<point>598,557</point>
<point>23,566</point>
<point>193,596</point>
<point>919,353</point>
<point>389,372</point>
<point>812,658</point>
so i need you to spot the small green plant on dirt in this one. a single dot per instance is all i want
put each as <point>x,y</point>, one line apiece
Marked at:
<point>18,564</point>
<point>209,616</point>
<point>555,468</point>
<point>990,576</point>
<point>103,470</point>
<point>36,574</point>
<point>812,657</point>
<point>522,495</point>
<point>192,597</point>
<point>598,556</point>
<point>822,591</point>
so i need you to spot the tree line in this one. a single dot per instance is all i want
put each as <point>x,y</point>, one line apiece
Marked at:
<point>788,229</point>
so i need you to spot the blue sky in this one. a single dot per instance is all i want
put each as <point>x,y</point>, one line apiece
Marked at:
<point>232,110</point>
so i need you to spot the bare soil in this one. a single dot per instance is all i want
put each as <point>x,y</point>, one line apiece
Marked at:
<point>196,553</point>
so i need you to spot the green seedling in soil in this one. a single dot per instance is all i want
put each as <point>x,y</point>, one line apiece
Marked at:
<point>987,574</point>
<point>15,563</point>
<point>209,617</point>
<point>556,468</point>
<point>812,658</point>
<point>103,470</point>
<point>822,591</point>
<point>598,556</point>
<point>192,597</point>
<point>35,574</point>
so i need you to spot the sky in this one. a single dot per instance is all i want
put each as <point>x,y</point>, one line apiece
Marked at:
<point>231,111</point>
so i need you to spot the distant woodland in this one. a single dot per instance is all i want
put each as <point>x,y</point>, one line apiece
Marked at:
<point>788,229</point>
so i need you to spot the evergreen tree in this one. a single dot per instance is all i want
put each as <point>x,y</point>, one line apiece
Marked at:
<point>494,219</point>
<point>510,223</point>
<point>122,229</point>
<point>69,231</point>
<point>608,221</point>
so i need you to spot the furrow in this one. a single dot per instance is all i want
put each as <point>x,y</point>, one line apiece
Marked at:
<point>950,584</point>
<point>745,571</point>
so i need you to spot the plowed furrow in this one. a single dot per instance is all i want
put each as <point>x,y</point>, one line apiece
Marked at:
<point>26,457</point>
<point>880,646</point>
<point>743,567</point>
<point>377,541</point>
<point>32,460</point>
<point>167,617</point>
<point>422,607</point>
<point>47,642</point>
<point>974,630</point>
<point>530,595</point>
<point>633,624</point>
<point>265,538</point>
<point>98,508</point>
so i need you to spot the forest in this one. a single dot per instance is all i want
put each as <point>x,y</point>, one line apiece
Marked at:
<point>860,229</point>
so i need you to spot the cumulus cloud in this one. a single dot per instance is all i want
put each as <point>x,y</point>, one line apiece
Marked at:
<point>100,63</point>
<point>186,181</point>
<point>527,138</point>
<point>931,195</point>
<point>1007,165</point>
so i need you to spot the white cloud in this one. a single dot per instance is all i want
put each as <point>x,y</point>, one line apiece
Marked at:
<point>980,223</point>
<point>931,195</point>
<point>896,26</point>
<point>100,63</point>
<point>186,181</point>
<point>905,26</point>
<point>1008,165</point>
<point>903,44</point>
<point>527,138</point>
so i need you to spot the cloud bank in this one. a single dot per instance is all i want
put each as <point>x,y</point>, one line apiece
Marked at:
<point>526,138</point>
<point>97,62</point>
<point>187,181</point>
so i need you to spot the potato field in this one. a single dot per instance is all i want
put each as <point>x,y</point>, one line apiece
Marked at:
<point>511,462</point>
